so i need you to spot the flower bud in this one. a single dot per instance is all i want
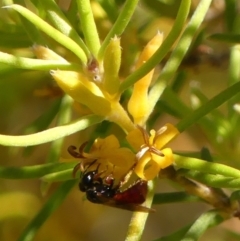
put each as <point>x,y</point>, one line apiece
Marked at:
<point>138,103</point>
<point>111,64</point>
<point>46,53</point>
<point>81,90</point>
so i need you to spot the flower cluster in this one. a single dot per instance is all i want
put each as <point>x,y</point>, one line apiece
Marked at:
<point>96,87</point>
<point>146,159</point>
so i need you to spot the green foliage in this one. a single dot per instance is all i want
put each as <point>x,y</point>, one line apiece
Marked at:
<point>74,32</point>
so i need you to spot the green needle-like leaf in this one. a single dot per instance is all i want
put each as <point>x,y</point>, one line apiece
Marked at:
<point>88,26</point>
<point>35,171</point>
<point>50,134</point>
<point>179,52</point>
<point>52,32</point>
<point>59,176</point>
<point>205,221</point>
<point>51,205</point>
<point>120,24</point>
<point>64,117</point>
<point>206,167</point>
<point>217,181</point>
<point>176,236</point>
<point>35,64</point>
<point>163,49</point>
<point>62,24</point>
<point>209,106</point>
<point>227,38</point>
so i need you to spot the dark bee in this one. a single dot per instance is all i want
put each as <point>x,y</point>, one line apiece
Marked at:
<point>100,189</point>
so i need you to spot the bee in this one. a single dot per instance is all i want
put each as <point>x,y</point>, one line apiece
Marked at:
<point>100,189</point>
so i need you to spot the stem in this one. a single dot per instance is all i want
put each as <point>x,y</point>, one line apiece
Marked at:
<point>213,196</point>
<point>162,50</point>
<point>139,219</point>
<point>119,116</point>
<point>88,26</point>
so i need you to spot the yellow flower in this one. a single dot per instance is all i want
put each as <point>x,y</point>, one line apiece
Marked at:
<point>151,158</point>
<point>111,158</point>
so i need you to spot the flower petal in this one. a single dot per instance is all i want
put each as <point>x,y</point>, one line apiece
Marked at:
<point>168,158</point>
<point>147,168</point>
<point>110,157</point>
<point>150,164</point>
<point>135,139</point>
<point>108,143</point>
<point>164,135</point>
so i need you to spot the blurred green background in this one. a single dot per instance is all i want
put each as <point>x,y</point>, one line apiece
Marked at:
<point>26,95</point>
